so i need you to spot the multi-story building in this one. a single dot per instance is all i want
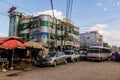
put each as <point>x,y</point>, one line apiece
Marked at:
<point>18,23</point>
<point>44,28</point>
<point>14,23</point>
<point>92,38</point>
<point>76,37</point>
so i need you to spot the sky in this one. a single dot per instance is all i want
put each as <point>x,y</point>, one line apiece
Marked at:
<point>99,15</point>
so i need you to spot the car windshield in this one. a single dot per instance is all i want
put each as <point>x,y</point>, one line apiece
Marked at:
<point>51,54</point>
<point>68,52</point>
<point>84,53</point>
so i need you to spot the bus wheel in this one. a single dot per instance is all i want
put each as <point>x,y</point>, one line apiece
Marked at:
<point>100,59</point>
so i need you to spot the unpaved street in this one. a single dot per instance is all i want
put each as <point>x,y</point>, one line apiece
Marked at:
<point>83,70</point>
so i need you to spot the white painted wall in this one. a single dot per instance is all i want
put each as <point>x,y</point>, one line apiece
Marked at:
<point>91,39</point>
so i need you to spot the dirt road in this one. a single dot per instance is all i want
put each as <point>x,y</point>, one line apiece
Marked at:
<point>83,70</point>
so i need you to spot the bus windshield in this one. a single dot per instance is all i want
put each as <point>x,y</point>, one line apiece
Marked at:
<point>93,50</point>
<point>98,50</point>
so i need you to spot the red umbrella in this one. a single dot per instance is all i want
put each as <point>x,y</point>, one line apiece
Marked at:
<point>12,44</point>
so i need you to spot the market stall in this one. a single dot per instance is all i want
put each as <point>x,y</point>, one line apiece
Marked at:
<point>10,45</point>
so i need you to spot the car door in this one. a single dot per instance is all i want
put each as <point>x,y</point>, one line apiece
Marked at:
<point>74,55</point>
<point>58,57</point>
<point>63,57</point>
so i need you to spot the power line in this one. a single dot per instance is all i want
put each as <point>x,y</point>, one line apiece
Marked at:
<point>4,14</point>
<point>104,21</point>
<point>69,8</point>
<point>15,5</point>
<point>3,10</point>
<point>52,7</point>
<point>94,10</point>
<point>99,15</point>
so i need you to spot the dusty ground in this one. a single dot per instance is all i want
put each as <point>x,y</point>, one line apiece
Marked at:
<point>83,70</point>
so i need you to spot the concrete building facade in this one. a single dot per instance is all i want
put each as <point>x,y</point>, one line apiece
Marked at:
<point>92,38</point>
<point>44,28</point>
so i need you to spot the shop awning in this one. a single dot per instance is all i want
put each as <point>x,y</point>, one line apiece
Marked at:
<point>12,44</point>
<point>36,45</point>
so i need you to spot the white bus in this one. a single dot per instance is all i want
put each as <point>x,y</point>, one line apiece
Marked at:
<point>98,53</point>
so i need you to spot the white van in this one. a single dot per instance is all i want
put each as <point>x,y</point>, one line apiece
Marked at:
<point>98,53</point>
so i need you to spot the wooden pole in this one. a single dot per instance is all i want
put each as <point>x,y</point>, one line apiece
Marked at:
<point>12,60</point>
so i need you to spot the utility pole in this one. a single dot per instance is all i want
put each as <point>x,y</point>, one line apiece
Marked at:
<point>49,34</point>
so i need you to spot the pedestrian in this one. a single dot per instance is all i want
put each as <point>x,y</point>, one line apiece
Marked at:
<point>116,56</point>
<point>28,54</point>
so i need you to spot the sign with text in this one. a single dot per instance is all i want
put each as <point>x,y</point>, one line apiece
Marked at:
<point>69,43</point>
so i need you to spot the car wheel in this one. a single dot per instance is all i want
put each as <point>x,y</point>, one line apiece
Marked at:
<point>34,62</point>
<point>73,60</point>
<point>65,62</point>
<point>54,63</point>
<point>108,58</point>
<point>100,59</point>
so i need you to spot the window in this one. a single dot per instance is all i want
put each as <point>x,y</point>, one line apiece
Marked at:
<point>59,54</point>
<point>88,37</point>
<point>63,53</point>
<point>51,54</point>
<point>93,50</point>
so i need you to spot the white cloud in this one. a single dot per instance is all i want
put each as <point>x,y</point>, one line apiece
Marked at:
<point>116,3</point>
<point>57,14</point>
<point>98,27</point>
<point>99,4</point>
<point>112,37</point>
<point>102,6</point>
<point>105,9</point>
<point>1,21</point>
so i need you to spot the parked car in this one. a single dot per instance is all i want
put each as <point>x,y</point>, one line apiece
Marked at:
<point>113,57</point>
<point>83,55</point>
<point>72,55</point>
<point>54,59</point>
<point>77,53</point>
